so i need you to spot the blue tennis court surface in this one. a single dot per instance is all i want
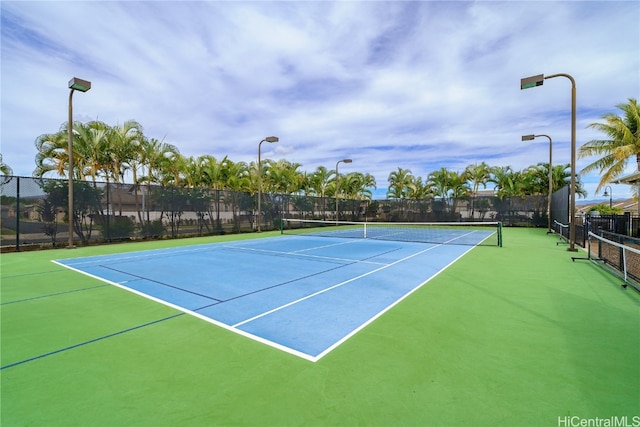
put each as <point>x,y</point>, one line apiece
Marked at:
<point>301,294</point>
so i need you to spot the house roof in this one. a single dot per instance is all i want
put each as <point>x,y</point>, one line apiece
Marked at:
<point>634,178</point>
<point>627,205</point>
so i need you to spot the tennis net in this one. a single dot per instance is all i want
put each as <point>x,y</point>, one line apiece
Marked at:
<point>618,253</point>
<point>460,233</point>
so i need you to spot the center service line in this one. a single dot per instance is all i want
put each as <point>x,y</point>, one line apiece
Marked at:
<point>333,287</point>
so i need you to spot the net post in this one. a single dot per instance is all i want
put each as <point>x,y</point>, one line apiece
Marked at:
<point>500,234</point>
<point>281,225</point>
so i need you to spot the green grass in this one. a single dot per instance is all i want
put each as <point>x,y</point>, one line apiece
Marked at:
<point>512,336</point>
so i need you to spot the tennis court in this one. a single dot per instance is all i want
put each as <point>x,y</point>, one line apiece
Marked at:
<point>512,336</point>
<point>303,294</point>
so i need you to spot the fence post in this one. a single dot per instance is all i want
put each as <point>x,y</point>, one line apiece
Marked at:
<point>18,214</point>
<point>628,227</point>
<point>108,224</point>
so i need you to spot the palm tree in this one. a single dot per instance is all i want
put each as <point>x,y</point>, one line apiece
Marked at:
<point>319,183</point>
<point>439,182</point>
<point>213,174</point>
<point>449,186</point>
<point>561,177</point>
<point>622,143</point>
<point>537,179</point>
<point>136,161</point>
<point>123,142</point>
<point>458,189</point>
<point>192,172</point>
<point>153,155</point>
<point>507,182</point>
<point>283,177</point>
<point>358,185</point>
<point>52,155</point>
<point>401,182</point>
<point>477,175</point>
<point>401,186</point>
<point>91,151</point>
<point>237,180</point>
<point>5,169</point>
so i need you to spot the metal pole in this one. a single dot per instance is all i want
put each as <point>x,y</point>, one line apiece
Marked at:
<point>572,216</point>
<point>572,224</point>
<point>610,193</point>
<point>259,218</point>
<point>531,138</point>
<point>337,184</point>
<point>70,172</point>
<point>550,181</point>
<point>269,139</point>
<point>550,185</point>
<point>18,214</point>
<point>83,86</point>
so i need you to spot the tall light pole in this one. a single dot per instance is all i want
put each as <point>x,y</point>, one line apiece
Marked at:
<point>538,80</point>
<point>338,182</point>
<point>531,138</point>
<point>83,86</point>
<point>610,194</point>
<point>269,139</point>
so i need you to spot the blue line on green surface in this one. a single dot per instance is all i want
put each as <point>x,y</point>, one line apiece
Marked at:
<point>55,294</point>
<point>11,365</point>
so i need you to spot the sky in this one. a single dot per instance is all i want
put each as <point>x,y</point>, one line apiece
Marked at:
<point>420,85</point>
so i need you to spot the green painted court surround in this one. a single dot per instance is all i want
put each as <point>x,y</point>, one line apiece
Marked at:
<point>518,336</point>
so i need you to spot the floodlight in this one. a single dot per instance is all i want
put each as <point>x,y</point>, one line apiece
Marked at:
<point>79,84</point>
<point>532,81</point>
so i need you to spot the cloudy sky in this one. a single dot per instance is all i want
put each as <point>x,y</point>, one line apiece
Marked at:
<point>419,85</point>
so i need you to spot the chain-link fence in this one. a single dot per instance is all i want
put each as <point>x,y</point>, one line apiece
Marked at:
<point>34,211</point>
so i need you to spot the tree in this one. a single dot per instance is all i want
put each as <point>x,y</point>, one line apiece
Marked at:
<point>507,182</point>
<point>450,186</point>
<point>86,200</point>
<point>153,155</point>
<point>92,151</point>
<point>561,177</point>
<point>357,185</point>
<point>282,177</point>
<point>52,153</point>
<point>5,169</point>
<point>213,175</point>
<point>458,189</point>
<point>622,142</point>
<point>319,183</point>
<point>237,180</point>
<point>401,182</point>
<point>477,175</point>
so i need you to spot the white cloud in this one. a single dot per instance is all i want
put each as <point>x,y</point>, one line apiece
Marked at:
<point>418,85</point>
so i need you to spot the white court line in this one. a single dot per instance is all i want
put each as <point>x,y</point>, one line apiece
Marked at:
<point>389,307</point>
<point>194,314</point>
<point>333,287</point>
<point>234,328</point>
<point>298,254</point>
<point>149,253</point>
<point>348,242</point>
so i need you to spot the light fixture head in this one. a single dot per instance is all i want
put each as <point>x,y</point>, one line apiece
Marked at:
<point>347,160</point>
<point>528,137</point>
<point>271,139</point>
<point>79,84</point>
<point>532,81</point>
